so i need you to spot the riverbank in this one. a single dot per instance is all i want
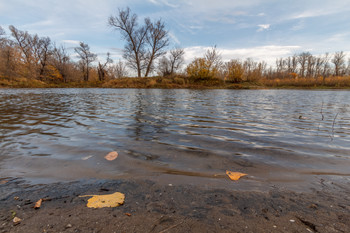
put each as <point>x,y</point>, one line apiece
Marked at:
<point>152,207</point>
<point>183,82</point>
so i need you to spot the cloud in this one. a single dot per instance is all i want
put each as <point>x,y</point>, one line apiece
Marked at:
<point>263,27</point>
<point>260,53</point>
<point>164,2</point>
<point>71,42</point>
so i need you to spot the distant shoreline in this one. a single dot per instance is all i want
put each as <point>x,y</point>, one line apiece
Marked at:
<point>180,82</point>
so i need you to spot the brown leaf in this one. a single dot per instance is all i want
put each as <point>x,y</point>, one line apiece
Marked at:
<point>111,156</point>
<point>4,181</point>
<point>38,204</point>
<point>128,214</point>
<point>235,175</point>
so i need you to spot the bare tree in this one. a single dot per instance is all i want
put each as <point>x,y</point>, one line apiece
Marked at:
<point>22,40</point>
<point>86,57</point>
<point>118,70</point>
<point>134,50</point>
<point>339,63</point>
<point>101,68</point>
<point>318,66</point>
<point>144,44</point>
<point>311,60</point>
<point>168,65</point>
<point>157,40</point>
<point>2,39</point>
<point>302,59</point>
<point>44,50</point>
<point>326,68</point>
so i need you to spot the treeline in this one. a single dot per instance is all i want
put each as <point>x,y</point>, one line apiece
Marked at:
<point>29,58</point>
<point>300,66</point>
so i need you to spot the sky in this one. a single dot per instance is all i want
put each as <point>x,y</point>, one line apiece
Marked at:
<point>257,29</point>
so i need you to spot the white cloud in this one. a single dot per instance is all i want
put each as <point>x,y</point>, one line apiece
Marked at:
<point>261,53</point>
<point>263,27</point>
<point>71,42</point>
<point>164,2</point>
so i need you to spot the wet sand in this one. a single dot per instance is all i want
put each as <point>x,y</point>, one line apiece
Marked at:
<point>154,207</point>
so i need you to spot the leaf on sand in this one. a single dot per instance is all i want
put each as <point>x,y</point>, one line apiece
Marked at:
<point>38,204</point>
<point>235,175</point>
<point>16,220</point>
<point>109,200</point>
<point>111,156</point>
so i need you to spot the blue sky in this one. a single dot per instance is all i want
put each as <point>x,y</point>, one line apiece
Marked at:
<point>259,29</point>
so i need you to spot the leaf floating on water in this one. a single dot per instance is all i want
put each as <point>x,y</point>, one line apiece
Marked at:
<point>38,204</point>
<point>235,175</point>
<point>109,200</point>
<point>111,156</point>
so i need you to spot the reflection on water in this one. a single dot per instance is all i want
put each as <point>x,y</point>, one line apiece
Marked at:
<point>47,132</point>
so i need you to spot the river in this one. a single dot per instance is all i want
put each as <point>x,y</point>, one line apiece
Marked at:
<point>175,136</point>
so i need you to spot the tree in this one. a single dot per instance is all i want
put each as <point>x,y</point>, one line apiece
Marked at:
<point>2,39</point>
<point>60,61</point>
<point>118,70</point>
<point>207,67</point>
<point>234,71</point>
<point>44,50</point>
<point>144,43</point>
<point>157,40</point>
<point>168,65</point>
<point>86,58</point>
<point>101,68</point>
<point>214,60</point>
<point>302,59</point>
<point>339,63</point>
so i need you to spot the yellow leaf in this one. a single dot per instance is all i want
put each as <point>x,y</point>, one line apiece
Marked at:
<point>111,156</point>
<point>235,175</point>
<point>109,200</point>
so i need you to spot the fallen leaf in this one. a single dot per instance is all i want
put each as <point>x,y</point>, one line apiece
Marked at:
<point>16,220</point>
<point>111,156</point>
<point>109,200</point>
<point>235,175</point>
<point>13,213</point>
<point>38,204</point>
<point>4,181</point>
<point>128,214</point>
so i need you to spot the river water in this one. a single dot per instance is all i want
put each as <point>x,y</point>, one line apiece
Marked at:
<point>175,136</point>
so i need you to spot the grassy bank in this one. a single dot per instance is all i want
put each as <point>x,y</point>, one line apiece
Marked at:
<point>185,82</point>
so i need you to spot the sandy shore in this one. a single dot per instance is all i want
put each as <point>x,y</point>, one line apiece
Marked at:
<point>154,207</point>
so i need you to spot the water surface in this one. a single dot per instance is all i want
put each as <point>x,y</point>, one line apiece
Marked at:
<point>175,136</point>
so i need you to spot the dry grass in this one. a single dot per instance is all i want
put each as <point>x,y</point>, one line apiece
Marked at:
<point>329,82</point>
<point>184,82</point>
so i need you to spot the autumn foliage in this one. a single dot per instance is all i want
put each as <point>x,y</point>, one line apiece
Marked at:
<point>28,60</point>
